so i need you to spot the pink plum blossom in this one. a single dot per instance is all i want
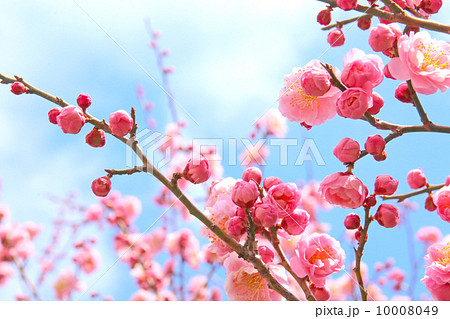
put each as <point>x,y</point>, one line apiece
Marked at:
<point>120,123</point>
<point>416,178</point>
<point>429,235</point>
<point>424,61</point>
<point>343,190</point>
<point>71,119</point>
<point>88,259</point>
<point>300,107</point>
<point>284,198</point>
<point>347,150</point>
<point>318,256</point>
<point>66,284</point>
<point>273,123</point>
<point>437,272</point>
<point>442,201</point>
<point>353,103</point>
<point>362,70</point>
<point>385,185</point>
<point>244,282</point>
<point>197,169</point>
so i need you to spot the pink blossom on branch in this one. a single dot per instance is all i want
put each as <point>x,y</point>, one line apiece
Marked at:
<point>442,200</point>
<point>298,106</point>
<point>437,272</point>
<point>317,256</point>
<point>343,190</point>
<point>424,61</point>
<point>362,70</point>
<point>243,282</point>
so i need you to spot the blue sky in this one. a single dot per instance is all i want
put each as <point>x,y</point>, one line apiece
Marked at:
<point>230,58</point>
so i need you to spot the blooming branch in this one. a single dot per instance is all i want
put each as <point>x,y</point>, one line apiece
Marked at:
<point>193,210</point>
<point>401,17</point>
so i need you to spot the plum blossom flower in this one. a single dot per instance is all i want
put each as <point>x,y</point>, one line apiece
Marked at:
<point>424,61</point>
<point>244,282</point>
<point>442,201</point>
<point>15,242</point>
<point>219,208</point>
<point>317,256</point>
<point>300,107</point>
<point>284,197</point>
<point>437,272</point>
<point>362,70</point>
<point>429,235</point>
<point>126,209</point>
<point>88,259</point>
<point>343,190</point>
<point>273,123</point>
<point>66,284</point>
<point>184,243</point>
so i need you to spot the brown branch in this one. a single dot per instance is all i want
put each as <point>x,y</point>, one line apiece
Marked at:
<point>346,21</point>
<point>126,171</point>
<point>302,282</point>
<point>401,17</point>
<point>401,198</point>
<point>418,104</point>
<point>193,210</point>
<point>395,8</point>
<point>333,76</point>
<point>359,253</point>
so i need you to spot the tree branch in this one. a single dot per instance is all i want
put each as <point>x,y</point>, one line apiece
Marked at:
<point>193,210</point>
<point>401,198</point>
<point>346,21</point>
<point>401,17</point>
<point>359,253</point>
<point>302,282</point>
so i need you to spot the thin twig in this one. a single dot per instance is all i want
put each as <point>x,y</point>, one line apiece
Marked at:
<point>401,198</point>
<point>359,253</point>
<point>347,21</point>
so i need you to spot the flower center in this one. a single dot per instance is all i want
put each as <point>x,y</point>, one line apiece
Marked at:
<point>432,56</point>
<point>249,285</point>
<point>221,224</point>
<point>444,255</point>
<point>325,253</point>
<point>298,95</point>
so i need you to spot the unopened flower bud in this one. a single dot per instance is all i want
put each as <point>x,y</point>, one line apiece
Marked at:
<point>245,194</point>
<point>18,88</point>
<point>387,215</point>
<point>84,101</point>
<point>352,221</point>
<point>252,174</point>
<point>96,138</point>
<point>375,144</point>
<point>120,123</point>
<point>53,115</point>
<point>197,170</point>
<point>403,94</point>
<point>336,37</point>
<point>101,186</point>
